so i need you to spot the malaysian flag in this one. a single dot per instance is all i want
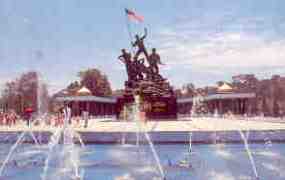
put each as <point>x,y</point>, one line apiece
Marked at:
<point>134,16</point>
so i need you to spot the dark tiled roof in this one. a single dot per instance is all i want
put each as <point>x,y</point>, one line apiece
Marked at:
<point>220,96</point>
<point>87,98</point>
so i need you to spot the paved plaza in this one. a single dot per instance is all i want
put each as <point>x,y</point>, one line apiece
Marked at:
<point>183,125</point>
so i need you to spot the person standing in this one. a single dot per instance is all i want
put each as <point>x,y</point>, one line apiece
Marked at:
<point>28,116</point>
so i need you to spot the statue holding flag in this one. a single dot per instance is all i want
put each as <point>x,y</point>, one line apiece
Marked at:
<point>140,44</point>
<point>137,70</point>
<point>144,77</point>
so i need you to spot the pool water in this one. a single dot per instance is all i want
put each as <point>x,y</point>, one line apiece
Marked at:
<point>126,162</point>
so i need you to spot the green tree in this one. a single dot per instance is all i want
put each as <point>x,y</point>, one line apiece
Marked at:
<point>96,82</point>
<point>188,90</point>
<point>73,85</point>
<point>10,95</point>
<point>220,83</point>
<point>245,82</point>
<point>24,92</point>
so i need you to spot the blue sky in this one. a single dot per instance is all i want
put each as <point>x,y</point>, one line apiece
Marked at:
<point>201,41</point>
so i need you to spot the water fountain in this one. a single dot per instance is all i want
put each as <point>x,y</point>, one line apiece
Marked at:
<point>69,166</point>
<point>198,108</point>
<point>60,158</point>
<point>216,113</point>
<point>141,130</point>
<point>61,149</point>
<point>40,115</point>
<point>246,147</point>
<point>190,144</point>
<point>244,137</point>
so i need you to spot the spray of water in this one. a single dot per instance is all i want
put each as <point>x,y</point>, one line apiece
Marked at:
<point>13,148</point>
<point>190,147</point>
<point>20,139</point>
<point>69,165</point>
<point>142,130</point>
<point>54,140</point>
<point>246,146</point>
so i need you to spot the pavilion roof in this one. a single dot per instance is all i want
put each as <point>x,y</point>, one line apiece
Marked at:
<point>225,88</point>
<point>83,91</point>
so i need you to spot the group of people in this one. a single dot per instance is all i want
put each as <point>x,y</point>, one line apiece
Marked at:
<point>57,120</point>
<point>8,118</point>
<point>136,69</point>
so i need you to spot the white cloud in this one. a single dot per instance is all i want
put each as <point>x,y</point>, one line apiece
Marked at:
<point>225,49</point>
<point>203,51</point>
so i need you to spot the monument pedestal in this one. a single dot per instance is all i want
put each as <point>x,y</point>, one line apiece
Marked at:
<point>158,100</point>
<point>162,108</point>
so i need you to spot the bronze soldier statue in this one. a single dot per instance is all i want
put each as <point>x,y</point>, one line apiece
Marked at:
<point>140,44</point>
<point>139,67</point>
<point>134,67</point>
<point>126,58</point>
<point>154,61</point>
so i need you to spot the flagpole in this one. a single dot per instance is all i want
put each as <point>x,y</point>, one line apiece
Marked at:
<point>129,31</point>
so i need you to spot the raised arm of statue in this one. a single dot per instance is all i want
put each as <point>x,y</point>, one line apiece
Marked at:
<point>159,60</point>
<point>145,33</point>
<point>120,57</point>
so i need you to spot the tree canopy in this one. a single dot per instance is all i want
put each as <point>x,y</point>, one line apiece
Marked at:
<point>24,92</point>
<point>96,82</point>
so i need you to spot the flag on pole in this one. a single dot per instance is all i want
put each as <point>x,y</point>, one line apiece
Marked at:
<point>132,15</point>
